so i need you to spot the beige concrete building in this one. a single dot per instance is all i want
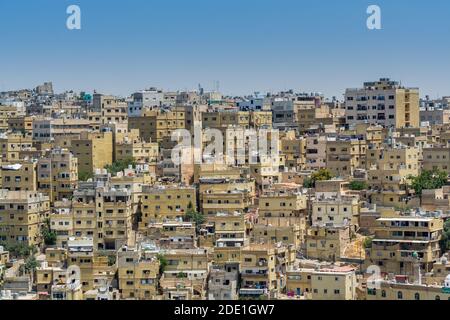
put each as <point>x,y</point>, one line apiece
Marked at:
<point>93,151</point>
<point>58,174</point>
<point>345,155</point>
<point>383,102</point>
<point>437,158</point>
<point>329,283</point>
<point>19,176</point>
<point>157,125</point>
<point>396,290</point>
<point>103,214</point>
<point>22,214</point>
<point>280,207</point>
<point>335,211</point>
<point>402,243</point>
<point>139,151</point>
<point>185,276</point>
<point>138,271</point>
<point>161,202</point>
<point>327,243</point>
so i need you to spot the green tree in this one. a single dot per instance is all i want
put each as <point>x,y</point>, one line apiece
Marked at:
<point>358,185</point>
<point>120,165</point>
<point>367,243</point>
<point>320,175</point>
<point>48,234</point>
<point>194,216</point>
<point>30,264</point>
<point>445,239</point>
<point>111,261</point>
<point>18,250</point>
<point>162,263</point>
<point>428,179</point>
<point>85,176</point>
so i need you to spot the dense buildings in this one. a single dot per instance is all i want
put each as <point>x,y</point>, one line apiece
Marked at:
<point>341,200</point>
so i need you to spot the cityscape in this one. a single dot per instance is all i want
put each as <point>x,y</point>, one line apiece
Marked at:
<point>224,159</point>
<point>199,195</point>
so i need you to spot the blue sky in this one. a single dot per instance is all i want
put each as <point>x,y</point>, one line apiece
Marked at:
<point>247,45</point>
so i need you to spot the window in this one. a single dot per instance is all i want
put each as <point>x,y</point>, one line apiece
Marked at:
<point>383,293</point>
<point>417,296</point>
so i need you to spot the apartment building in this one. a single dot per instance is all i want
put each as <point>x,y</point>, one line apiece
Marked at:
<point>258,274</point>
<point>282,207</point>
<point>220,196</point>
<point>229,230</point>
<point>170,202</point>
<point>401,289</point>
<point>61,222</point>
<point>20,175</point>
<point>345,154</point>
<point>434,114</point>
<point>327,243</point>
<point>139,151</point>
<point>388,178</point>
<point>94,268</point>
<point>144,99</point>
<point>116,112</point>
<point>138,271</point>
<point>57,174</point>
<point>294,152</point>
<point>436,158</point>
<point>383,102</point>
<point>12,144</point>
<point>229,201</point>
<point>93,150</point>
<point>316,150</point>
<point>185,276</point>
<point>103,214</point>
<point>47,129</point>
<point>403,243</point>
<point>286,234</point>
<point>263,269</point>
<point>328,283</point>
<point>312,116</point>
<point>22,214</point>
<point>7,112</point>
<point>157,125</point>
<point>49,276</point>
<point>283,113</point>
<point>335,211</point>
<point>223,282</point>
<point>21,124</point>
<point>172,234</point>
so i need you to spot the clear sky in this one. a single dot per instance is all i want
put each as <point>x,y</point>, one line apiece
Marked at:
<point>247,45</point>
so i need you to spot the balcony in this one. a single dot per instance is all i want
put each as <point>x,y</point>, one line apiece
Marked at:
<point>254,272</point>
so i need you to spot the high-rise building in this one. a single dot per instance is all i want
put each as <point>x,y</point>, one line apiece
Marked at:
<point>383,102</point>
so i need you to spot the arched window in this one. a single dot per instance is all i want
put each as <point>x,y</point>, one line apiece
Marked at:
<point>437,297</point>
<point>383,293</point>
<point>400,295</point>
<point>417,296</point>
